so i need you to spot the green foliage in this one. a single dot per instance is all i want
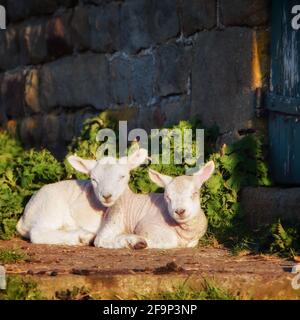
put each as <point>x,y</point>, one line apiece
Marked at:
<point>12,255</point>
<point>37,168</point>
<point>86,144</point>
<point>74,294</point>
<point>140,181</point>
<point>280,238</point>
<point>22,172</point>
<point>210,291</point>
<point>238,165</point>
<point>9,150</point>
<point>285,241</point>
<point>20,289</point>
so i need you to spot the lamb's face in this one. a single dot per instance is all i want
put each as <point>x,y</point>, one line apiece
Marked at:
<point>182,193</point>
<point>109,176</point>
<point>182,197</point>
<point>109,180</point>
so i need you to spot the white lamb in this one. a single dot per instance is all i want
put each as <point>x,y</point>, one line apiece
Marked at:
<point>70,212</point>
<point>163,221</point>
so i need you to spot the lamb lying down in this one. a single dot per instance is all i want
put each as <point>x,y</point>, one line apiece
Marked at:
<point>70,212</point>
<point>162,221</point>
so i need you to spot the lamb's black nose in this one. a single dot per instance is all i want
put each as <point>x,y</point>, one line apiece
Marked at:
<point>107,196</point>
<point>180,212</point>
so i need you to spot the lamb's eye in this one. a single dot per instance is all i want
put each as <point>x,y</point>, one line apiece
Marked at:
<point>122,177</point>
<point>168,198</point>
<point>94,181</point>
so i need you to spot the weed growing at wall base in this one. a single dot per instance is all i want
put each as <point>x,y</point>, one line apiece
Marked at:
<point>22,172</point>
<point>12,255</point>
<point>20,289</point>
<point>209,291</point>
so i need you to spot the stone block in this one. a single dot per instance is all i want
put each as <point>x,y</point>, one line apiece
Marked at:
<point>176,109</point>
<point>51,129</point>
<point>222,78</point>
<point>262,47</point>
<point>121,76</point>
<point>173,68</point>
<point>32,98</point>
<point>12,91</point>
<point>9,52</point>
<point>144,23</point>
<point>20,9</point>
<point>67,127</point>
<point>80,28</point>
<point>143,76</point>
<point>124,113</point>
<point>134,29</point>
<point>264,206</point>
<point>76,81</point>
<point>133,79</point>
<point>45,39</point>
<point>58,36</point>
<point>245,12</point>
<point>105,30</point>
<point>3,118</point>
<point>51,138</point>
<point>198,15</point>
<point>32,42</point>
<point>164,113</point>
<point>96,2</point>
<point>67,3</point>
<point>97,28</point>
<point>31,131</point>
<point>163,20</point>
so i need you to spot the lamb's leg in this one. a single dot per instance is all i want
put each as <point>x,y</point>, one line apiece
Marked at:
<point>73,237</point>
<point>131,241</point>
<point>112,235</point>
<point>157,237</point>
<point>119,241</point>
<point>86,237</point>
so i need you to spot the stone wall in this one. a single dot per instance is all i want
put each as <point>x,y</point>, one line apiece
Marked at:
<point>152,62</point>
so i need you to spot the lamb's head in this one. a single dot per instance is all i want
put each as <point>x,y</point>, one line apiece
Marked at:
<point>109,176</point>
<point>182,193</point>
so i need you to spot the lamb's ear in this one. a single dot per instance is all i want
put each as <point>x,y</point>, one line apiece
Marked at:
<point>137,158</point>
<point>82,165</point>
<point>160,179</point>
<point>204,174</point>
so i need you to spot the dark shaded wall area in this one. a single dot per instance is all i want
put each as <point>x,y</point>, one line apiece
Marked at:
<point>153,62</point>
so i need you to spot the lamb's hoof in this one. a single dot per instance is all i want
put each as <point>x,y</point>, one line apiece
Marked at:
<point>140,245</point>
<point>86,238</point>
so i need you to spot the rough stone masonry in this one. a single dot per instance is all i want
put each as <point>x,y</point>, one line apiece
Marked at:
<point>153,62</point>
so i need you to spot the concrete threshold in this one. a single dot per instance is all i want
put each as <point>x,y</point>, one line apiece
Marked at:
<point>264,206</point>
<point>127,274</point>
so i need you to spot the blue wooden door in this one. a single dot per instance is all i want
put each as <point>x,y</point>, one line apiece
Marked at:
<point>283,100</point>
